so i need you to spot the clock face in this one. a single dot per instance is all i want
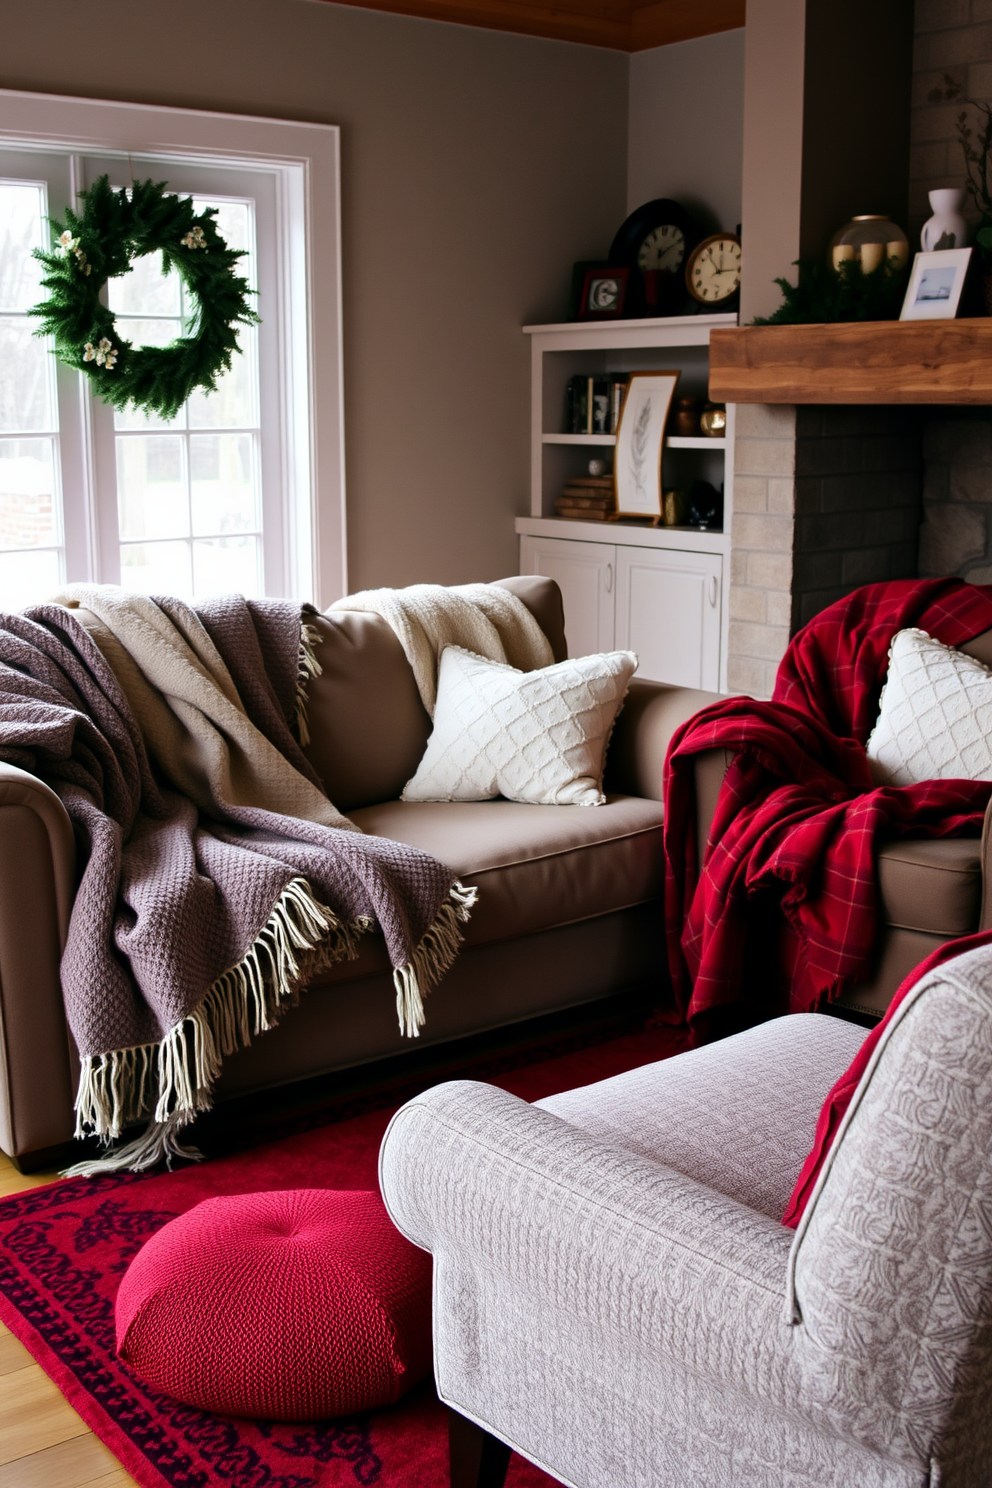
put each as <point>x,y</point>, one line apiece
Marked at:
<point>714,271</point>
<point>663,248</point>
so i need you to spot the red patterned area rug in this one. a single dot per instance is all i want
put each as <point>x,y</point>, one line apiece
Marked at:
<point>64,1248</point>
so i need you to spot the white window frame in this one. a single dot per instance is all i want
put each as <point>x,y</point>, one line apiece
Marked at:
<point>304,160</point>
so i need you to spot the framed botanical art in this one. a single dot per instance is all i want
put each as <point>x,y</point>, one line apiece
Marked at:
<point>640,440</point>
<point>935,285</point>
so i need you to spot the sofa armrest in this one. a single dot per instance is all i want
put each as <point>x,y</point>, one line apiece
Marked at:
<point>513,1196</point>
<point>37,886</point>
<point>650,716</point>
<point>985,917</point>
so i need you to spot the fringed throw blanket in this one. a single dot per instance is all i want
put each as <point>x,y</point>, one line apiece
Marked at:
<point>216,877</point>
<point>782,913</point>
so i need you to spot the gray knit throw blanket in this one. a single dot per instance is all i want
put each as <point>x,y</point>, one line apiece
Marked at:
<point>195,925</point>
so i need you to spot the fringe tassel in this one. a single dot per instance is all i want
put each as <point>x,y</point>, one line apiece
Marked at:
<point>308,667</point>
<point>156,1144</point>
<point>431,959</point>
<point>175,1076</point>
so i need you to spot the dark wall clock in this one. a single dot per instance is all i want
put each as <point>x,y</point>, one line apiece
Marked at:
<point>654,243</point>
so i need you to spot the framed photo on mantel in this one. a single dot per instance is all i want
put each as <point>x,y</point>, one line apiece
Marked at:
<point>640,441</point>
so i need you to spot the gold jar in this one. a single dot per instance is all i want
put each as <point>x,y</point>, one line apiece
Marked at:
<point>713,421</point>
<point>872,241</point>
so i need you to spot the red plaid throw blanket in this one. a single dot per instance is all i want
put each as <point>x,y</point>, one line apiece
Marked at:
<point>782,915</point>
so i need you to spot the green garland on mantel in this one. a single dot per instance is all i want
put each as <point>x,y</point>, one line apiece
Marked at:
<point>825,295</point>
<point>117,227</point>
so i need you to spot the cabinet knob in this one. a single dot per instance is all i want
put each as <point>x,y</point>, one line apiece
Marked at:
<point>714,590</point>
<point>609,578</point>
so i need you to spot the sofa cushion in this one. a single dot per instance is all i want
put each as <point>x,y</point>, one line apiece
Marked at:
<point>368,727</point>
<point>537,736</point>
<point>535,866</point>
<point>932,885</point>
<point>935,715</point>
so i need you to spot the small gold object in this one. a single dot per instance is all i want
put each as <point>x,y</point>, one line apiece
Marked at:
<point>674,504</point>
<point>713,420</point>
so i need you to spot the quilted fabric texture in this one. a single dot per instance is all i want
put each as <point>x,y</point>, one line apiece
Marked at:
<point>935,719</point>
<point>536,736</point>
<point>290,1306</point>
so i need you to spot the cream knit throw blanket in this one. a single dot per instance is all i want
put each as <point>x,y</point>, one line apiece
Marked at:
<point>192,720</point>
<point>478,617</point>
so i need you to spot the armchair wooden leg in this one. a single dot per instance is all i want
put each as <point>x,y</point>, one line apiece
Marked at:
<point>475,1459</point>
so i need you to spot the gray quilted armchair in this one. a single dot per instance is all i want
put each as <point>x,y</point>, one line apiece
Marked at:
<point>616,1299</point>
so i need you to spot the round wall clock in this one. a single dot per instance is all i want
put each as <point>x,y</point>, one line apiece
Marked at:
<point>656,240</point>
<point>713,270</point>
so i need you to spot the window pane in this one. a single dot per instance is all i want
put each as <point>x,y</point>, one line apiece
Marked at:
<point>147,333</point>
<point>26,400</point>
<point>232,406</point>
<point>226,565</point>
<point>157,568</point>
<point>151,486</point>
<point>233,223</point>
<point>222,483</point>
<point>28,578</point>
<point>28,508</point>
<point>145,290</point>
<point>21,209</point>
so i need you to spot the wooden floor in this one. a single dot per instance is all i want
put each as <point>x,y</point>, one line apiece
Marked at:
<point>43,1443</point>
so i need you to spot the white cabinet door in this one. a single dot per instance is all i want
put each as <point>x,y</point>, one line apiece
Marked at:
<point>668,611</point>
<point>585,572</point>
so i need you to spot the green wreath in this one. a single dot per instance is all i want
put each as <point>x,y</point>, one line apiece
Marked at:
<point>115,228</point>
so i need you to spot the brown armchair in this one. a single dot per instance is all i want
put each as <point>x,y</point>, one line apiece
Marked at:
<point>930,890</point>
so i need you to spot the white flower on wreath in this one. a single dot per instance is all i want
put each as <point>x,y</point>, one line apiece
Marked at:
<point>103,353</point>
<point>194,238</point>
<point>66,244</point>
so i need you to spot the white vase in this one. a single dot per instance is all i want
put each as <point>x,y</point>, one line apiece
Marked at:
<point>946,228</point>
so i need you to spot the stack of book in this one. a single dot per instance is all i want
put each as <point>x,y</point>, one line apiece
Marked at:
<point>587,498</point>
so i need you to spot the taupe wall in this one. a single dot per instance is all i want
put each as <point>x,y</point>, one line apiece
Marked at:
<point>476,167</point>
<point>686,125</point>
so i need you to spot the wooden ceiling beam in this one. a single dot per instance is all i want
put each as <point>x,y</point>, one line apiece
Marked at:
<point>666,21</point>
<point>622,25</point>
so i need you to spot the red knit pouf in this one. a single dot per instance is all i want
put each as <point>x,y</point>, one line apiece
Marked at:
<point>288,1306</point>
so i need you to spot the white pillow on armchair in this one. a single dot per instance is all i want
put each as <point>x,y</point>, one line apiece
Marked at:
<point>537,736</point>
<point>935,715</point>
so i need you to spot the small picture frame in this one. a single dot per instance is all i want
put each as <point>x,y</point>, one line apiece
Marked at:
<point>640,442</point>
<point>935,285</point>
<point>604,291</point>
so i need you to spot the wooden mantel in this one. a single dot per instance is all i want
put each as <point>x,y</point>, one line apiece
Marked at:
<point>935,361</point>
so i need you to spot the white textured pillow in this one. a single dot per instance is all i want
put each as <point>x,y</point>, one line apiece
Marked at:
<point>935,719</point>
<point>530,736</point>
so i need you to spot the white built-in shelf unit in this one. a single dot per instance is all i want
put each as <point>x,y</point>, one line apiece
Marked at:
<point>667,604</point>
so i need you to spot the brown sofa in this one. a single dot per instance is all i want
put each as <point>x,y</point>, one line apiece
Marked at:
<point>569,908</point>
